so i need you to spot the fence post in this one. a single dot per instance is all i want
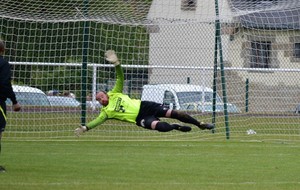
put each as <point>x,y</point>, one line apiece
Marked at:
<point>247,95</point>
<point>219,42</point>
<point>84,64</point>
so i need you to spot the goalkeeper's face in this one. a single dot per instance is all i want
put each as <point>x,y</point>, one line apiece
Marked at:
<point>102,98</point>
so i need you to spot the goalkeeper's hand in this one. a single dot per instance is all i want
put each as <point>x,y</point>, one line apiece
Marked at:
<point>110,55</point>
<point>80,130</point>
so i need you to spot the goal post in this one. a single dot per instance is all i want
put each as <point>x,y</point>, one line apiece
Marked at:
<point>58,47</point>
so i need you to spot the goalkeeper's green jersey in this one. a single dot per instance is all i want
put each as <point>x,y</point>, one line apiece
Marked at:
<point>120,106</point>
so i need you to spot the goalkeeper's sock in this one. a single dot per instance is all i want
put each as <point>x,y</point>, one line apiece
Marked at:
<point>163,127</point>
<point>183,117</point>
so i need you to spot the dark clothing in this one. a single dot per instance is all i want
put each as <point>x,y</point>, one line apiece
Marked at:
<point>6,90</point>
<point>2,116</point>
<point>149,112</point>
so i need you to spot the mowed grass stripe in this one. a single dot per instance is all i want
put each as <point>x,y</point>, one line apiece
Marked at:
<point>148,165</point>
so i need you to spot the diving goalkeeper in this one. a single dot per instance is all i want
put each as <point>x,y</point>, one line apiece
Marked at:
<point>146,114</point>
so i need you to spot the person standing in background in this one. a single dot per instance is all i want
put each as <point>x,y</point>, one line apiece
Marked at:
<point>6,91</point>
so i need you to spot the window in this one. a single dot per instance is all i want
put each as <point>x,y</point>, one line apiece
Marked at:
<point>188,5</point>
<point>260,54</point>
<point>297,50</point>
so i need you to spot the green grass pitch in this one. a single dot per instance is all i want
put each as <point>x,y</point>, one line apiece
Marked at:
<point>133,165</point>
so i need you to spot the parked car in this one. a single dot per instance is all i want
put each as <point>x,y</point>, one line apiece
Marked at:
<point>297,109</point>
<point>63,101</point>
<point>93,104</point>
<point>29,96</point>
<point>185,97</point>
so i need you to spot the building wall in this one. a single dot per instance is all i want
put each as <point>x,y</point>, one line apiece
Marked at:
<point>175,42</point>
<point>183,38</point>
<point>281,56</point>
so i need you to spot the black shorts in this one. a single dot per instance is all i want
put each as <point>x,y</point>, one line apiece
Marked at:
<point>2,116</point>
<point>149,112</point>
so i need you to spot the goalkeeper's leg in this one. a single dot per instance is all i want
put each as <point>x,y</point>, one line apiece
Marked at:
<point>155,124</point>
<point>184,117</point>
<point>165,127</point>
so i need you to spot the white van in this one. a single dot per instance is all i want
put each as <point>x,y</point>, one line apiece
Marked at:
<point>29,96</point>
<point>184,97</point>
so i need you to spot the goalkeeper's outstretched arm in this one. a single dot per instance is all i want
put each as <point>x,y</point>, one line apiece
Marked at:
<point>111,57</point>
<point>98,121</point>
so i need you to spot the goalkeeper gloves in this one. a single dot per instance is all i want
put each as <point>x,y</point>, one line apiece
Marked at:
<point>80,130</point>
<point>110,56</point>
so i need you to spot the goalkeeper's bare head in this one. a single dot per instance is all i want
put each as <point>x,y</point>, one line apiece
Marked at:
<point>102,98</point>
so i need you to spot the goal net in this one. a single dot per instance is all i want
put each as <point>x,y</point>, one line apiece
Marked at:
<point>247,51</point>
